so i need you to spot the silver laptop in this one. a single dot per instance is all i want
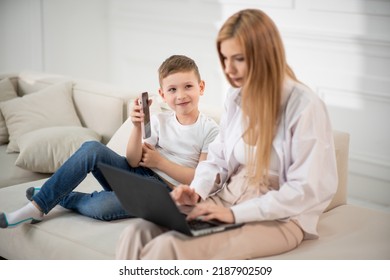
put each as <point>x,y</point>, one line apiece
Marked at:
<point>149,199</point>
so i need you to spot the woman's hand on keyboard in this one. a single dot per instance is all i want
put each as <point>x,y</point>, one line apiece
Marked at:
<point>210,211</point>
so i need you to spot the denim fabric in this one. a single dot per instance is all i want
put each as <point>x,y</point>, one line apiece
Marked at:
<point>103,205</point>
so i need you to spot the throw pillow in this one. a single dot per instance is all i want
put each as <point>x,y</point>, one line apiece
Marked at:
<point>45,150</point>
<point>52,106</point>
<point>7,92</point>
<point>118,142</point>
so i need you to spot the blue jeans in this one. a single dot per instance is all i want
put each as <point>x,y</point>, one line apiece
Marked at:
<point>103,205</point>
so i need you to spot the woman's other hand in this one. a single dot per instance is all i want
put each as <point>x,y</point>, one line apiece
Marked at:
<point>184,195</point>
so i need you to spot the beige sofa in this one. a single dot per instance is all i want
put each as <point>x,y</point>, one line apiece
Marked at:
<point>99,107</point>
<point>346,231</point>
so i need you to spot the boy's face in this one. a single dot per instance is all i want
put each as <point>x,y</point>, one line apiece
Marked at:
<point>181,91</point>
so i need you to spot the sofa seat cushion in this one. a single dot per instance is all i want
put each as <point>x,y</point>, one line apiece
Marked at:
<point>62,235</point>
<point>347,232</point>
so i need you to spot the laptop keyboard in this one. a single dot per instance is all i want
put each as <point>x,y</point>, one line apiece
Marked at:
<point>197,224</point>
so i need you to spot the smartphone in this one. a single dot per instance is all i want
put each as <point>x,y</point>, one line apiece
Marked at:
<point>146,128</point>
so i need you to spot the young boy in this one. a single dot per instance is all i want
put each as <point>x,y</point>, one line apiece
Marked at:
<point>179,141</point>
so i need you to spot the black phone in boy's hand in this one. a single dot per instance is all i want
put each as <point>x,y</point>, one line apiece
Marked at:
<point>144,102</point>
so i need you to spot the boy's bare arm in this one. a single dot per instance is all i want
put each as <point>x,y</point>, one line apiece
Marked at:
<point>182,174</point>
<point>152,159</point>
<point>134,145</point>
<point>178,172</point>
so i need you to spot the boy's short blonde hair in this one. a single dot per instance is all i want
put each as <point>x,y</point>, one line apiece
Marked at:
<point>175,64</point>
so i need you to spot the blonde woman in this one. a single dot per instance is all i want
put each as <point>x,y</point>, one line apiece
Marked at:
<point>271,167</point>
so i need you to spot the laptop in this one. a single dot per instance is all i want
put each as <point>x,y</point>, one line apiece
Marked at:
<point>149,199</point>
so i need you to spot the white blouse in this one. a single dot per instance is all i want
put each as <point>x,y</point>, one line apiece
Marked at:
<point>303,159</point>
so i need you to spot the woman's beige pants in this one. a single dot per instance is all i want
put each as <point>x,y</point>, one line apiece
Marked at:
<point>145,240</point>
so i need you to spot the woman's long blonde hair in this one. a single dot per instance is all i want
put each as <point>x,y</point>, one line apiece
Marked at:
<point>261,94</point>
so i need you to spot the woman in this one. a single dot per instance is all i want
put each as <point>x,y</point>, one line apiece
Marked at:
<point>272,166</point>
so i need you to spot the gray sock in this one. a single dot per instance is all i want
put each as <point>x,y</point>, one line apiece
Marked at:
<point>3,221</point>
<point>31,191</point>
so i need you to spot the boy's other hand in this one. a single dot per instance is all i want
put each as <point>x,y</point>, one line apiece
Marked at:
<point>150,156</point>
<point>184,195</point>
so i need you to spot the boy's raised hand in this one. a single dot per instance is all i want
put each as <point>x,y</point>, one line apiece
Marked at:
<point>136,114</point>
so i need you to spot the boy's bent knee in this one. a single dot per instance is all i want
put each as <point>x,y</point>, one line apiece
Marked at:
<point>92,149</point>
<point>91,145</point>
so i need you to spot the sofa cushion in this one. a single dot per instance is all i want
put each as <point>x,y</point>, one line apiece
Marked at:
<point>52,106</point>
<point>118,142</point>
<point>10,174</point>
<point>7,91</point>
<point>101,112</point>
<point>347,232</point>
<point>45,150</point>
<point>30,82</point>
<point>63,234</point>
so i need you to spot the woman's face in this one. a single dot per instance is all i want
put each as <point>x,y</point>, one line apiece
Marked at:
<point>234,61</point>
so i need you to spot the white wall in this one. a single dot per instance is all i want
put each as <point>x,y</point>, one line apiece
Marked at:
<point>21,43</point>
<point>144,33</point>
<point>58,36</point>
<point>339,48</point>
